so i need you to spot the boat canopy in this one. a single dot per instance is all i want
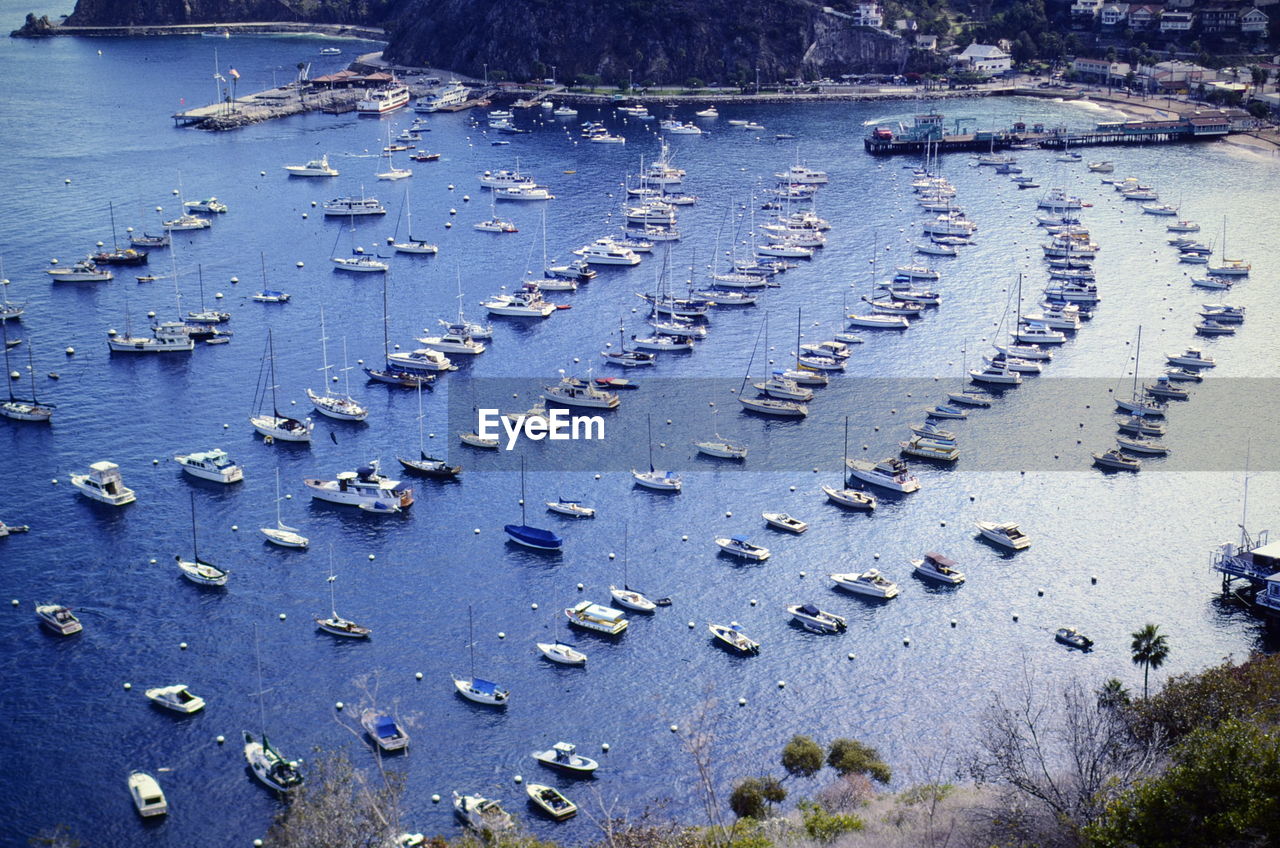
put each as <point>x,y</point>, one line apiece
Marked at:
<point>940,559</point>
<point>741,540</point>
<point>486,687</point>
<point>386,726</point>
<point>603,613</point>
<point>810,609</point>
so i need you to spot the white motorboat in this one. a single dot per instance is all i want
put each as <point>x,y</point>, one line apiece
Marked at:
<point>83,271</point>
<point>1011,363</point>
<point>348,206</point>
<point>506,178</point>
<point>1027,352</point>
<point>1163,387</point>
<point>573,509</point>
<point>1222,313</point>
<point>606,138</point>
<point>591,616</point>
<point>58,619</point>
<point>742,547</point>
<point>360,262</point>
<point>314,168</point>
<point>933,249</point>
<point>815,620</point>
<point>709,112</point>
<point>565,112</point>
<point>384,730</point>
<point>523,193</point>
<point>422,360</point>
<point>1102,167</point>
<point>933,432</point>
<point>496,225</point>
<point>1006,534</point>
<point>209,204</point>
<point>850,498</point>
<point>526,302</point>
<point>1160,209</point>
<point>482,814</point>
<point>571,391</point>
<point>271,296</point>
<point>212,465</point>
<point>449,96</point>
<point>935,566</point>
<point>477,441</point>
<point>733,636</point>
<point>888,473</point>
<point>995,375</point>
<point>778,386</point>
<point>562,652</point>
<point>176,698</point>
<point>1192,357</point>
<point>787,250</point>
<point>970,399</point>
<point>148,797</point>
<point>103,483</point>
<point>564,756</point>
<point>186,222</point>
<point>870,582</point>
<point>771,406</point>
<point>1183,226</point>
<point>1038,334</point>
<point>1140,425</point>
<point>363,487</point>
<point>940,411</point>
<point>802,175</point>
<point>454,339</point>
<point>169,337</point>
<point>1114,460</point>
<point>783,521</point>
<point>269,766</point>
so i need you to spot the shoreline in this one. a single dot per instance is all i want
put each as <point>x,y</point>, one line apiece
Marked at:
<point>368,33</point>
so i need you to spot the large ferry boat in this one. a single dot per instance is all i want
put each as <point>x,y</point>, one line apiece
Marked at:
<point>383,100</point>
<point>453,94</point>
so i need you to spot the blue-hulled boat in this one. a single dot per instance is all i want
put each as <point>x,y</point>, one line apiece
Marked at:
<point>531,537</point>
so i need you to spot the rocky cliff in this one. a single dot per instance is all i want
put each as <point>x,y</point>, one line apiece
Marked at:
<point>665,42</point>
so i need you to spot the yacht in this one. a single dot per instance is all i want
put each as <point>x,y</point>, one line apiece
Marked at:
<point>209,204</point>
<point>212,465</point>
<point>815,620</point>
<point>565,112</point>
<point>383,100</point>
<point>497,225</point>
<point>1231,268</point>
<point>527,302</point>
<point>801,175</point>
<point>1038,334</point>
<point>314,168</point>
<point>448,96</point>
<point>740,546</point>
<point>606,252</point>
<point>935,566</point>
<point>103,483</point>
<point>778,386</point>
<point>870,582</point>
<point>677,128</point>
<point>454,339</point>
<point>58,619</point>
<point>993,374</point>
<point>877,321</point>
<point>888,473</point>
<point>1009,363</point>
<point>348,206</point>
<point>933,249</point>
<point>1114,460</point>
<point>770,406</point>
<point>271,296</point>
<point>709,112</point>
<point>523,193</point>
<point>1183,226</point>
<point>733,636</point>
<point>165,338</point>
<point>571,391</point>
<point>187,222</point>
<point>591,616</point>
<point>84,271</point>
<point>364,488</point>
<point>1007,534</point>
<point>176,698</point>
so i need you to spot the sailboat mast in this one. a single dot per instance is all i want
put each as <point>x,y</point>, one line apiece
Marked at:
<point>324,352</point>
<point>471,639</point>
<point>422,450</point>
<point>111,210</point>
<point>522,518</point>
<point>195,549</point>
<point>257,655</point>
<point>271,355</point>
<point>649,425</point>
<point>1137,356</point>
<point>278,519</point>
<point>8,383</point>
<point>844,457</point>
<point>31,368</point>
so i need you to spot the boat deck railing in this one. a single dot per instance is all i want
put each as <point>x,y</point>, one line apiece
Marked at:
<point>1235,561</point>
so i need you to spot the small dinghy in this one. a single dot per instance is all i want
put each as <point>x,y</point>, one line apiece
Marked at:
<point>551,801</point>
<point>1073,638</point>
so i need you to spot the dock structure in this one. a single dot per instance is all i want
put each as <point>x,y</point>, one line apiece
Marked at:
<point>1252,559</point>
<point>927,134</point>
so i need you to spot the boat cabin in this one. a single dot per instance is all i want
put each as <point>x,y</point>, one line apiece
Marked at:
<point>1269,595</point>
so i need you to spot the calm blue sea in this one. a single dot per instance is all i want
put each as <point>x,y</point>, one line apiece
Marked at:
<point>87,124</point>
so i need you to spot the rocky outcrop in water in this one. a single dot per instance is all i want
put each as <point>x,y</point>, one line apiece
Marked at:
<point>34,27</point>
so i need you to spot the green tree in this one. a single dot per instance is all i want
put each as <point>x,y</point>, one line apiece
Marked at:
<point>1223,789</point>
<point>753,797</point>
<point>849,756</point>
<point>1113,695</point>
<point>1150,648</point>
<point>825,826</point>
<point>802,757</point>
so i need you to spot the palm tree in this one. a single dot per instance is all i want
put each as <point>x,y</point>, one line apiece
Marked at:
<point>1150,648</point>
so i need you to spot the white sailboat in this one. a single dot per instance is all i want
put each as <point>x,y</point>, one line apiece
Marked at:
<point>275,426</point>
<point>474,688</point>
<point>199,571</point>
<point>268,765</point>
<point>844,496</point>
<point>282,534</point>
<point>336,624</point>
<point>663,481</point>
<point>340,406</point>
<point>17,408</point>
<point>411,244</point>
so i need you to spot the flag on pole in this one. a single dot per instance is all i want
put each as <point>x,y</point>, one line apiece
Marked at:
<point>234,73</point>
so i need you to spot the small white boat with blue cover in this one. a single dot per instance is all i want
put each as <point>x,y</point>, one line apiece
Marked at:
<point>564,756</point>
